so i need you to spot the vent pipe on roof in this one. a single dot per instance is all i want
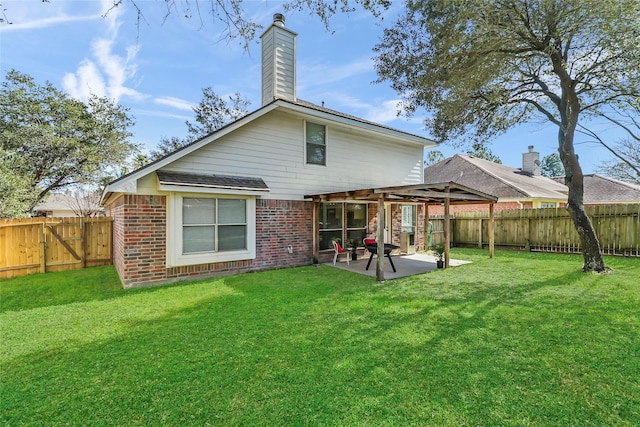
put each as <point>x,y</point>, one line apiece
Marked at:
<point>278,20</point>
<point>531,162</point>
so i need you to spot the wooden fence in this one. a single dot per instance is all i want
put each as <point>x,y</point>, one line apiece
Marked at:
<point>549,230</point>
<point>38,245</point>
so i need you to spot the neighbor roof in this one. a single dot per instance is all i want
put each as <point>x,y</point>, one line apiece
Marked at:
<point>492,178</point>
<point>600,189</point>
<point>63,202</point>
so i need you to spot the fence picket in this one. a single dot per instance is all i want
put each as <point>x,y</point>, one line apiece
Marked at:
<point>552,230</point>
<point>35,245</point>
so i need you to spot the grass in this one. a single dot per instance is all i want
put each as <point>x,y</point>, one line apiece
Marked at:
<point>522,339</point>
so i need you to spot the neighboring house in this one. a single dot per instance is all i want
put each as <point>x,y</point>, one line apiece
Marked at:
<point>68,205</point>
<point>234,201</point>
<point>602,190</point>
<point>515,188</point>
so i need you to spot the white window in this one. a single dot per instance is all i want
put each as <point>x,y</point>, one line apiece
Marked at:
<point>316,143</point>
<point>548,205</point>
<point>408,218</point>
<point>208,228</point>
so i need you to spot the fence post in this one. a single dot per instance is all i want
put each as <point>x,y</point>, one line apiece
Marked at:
<point>43,247</point>
<point>492,231</point>
<point>83,242</point>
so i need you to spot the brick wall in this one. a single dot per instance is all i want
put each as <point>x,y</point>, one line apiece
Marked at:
<point>481,207</point>
<point>139,234</point>
<point>140,226</point>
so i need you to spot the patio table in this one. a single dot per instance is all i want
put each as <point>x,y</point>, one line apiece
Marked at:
<point>388,247</point>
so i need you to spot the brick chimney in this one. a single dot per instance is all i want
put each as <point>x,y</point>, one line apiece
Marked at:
<point>531,162</point>
<point>278,62</point>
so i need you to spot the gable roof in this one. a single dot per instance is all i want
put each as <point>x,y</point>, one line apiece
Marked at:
<point>499,180</point>
<point>127,183</point>
<point>602,189</point>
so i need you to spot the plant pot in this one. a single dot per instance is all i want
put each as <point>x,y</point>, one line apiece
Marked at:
<point>354,255</point>
<point>440,264</point>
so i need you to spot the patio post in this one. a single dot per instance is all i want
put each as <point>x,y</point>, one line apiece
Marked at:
<point>316,231</point>
<point>447,228</point>
<point>380,240</point>
<point>425,227</point>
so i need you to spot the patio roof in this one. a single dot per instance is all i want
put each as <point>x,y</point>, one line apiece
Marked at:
<point>429,193</point>
<point>446,193</point>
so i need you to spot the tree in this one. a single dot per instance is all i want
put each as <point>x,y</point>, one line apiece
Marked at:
<point>212,113</point>
<point>433,157</point>
<point>626,151</point>
<point>624,170</point>
<point>551,166</point>
<point>16,196</point>
<point>481,151</point>
<point>483,67</point>
<point>167,146</point>
<point>52,141</point>
<point>86,202</point>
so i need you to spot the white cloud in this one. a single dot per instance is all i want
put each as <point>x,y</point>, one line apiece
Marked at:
<point>107,73</point>
<point>323,74</point>
<point>177,103</point>
<point>87,80</point>
<point>45,22</point>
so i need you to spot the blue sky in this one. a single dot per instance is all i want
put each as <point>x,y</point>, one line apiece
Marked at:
<point>159,68</point>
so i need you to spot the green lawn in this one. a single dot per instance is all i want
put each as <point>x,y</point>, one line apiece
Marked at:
<point>523,339</point>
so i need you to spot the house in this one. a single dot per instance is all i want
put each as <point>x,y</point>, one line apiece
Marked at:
<point>602,190</point>
<point>237,200</point>
<point>69,205</point>
<point>515,188</point>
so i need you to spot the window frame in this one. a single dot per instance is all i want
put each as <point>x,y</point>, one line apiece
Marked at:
<point>344,227</point>
<point>307,143</point>
<point>413,216</point>
<point>174,249</point>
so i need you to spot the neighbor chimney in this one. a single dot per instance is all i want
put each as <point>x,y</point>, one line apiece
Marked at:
<point>531,162</point>
<point>278,62</point>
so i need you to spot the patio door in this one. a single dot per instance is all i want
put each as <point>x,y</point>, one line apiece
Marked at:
<point>388,220</point>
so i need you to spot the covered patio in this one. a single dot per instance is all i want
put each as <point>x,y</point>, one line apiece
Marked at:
<point>406,265</point>
<point>445,193</point>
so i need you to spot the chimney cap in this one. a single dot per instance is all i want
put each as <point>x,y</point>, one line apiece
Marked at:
<point>278,19</point>
<point>530,148</point>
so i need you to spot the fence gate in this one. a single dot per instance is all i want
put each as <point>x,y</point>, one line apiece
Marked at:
<point>38,245</point>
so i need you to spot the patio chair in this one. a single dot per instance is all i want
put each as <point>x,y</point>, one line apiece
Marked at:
<point>338,250</point>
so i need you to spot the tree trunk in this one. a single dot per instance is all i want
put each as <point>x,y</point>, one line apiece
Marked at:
<point>569,109</point>
<point>574,179</point>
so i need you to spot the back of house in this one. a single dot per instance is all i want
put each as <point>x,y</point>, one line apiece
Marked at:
<point>234,200</point>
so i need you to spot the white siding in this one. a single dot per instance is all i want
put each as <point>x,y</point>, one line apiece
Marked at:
<point>273,148</point>
<point>278,64</point>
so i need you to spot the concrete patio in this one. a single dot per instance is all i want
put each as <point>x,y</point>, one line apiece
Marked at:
<point>406,265</point>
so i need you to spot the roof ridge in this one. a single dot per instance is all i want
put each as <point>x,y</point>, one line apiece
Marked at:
<point>488,172</point>
<point>630,185</point>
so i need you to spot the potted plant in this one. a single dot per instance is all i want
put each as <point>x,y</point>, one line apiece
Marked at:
<point>353,245</point>
<point>438,252</point>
